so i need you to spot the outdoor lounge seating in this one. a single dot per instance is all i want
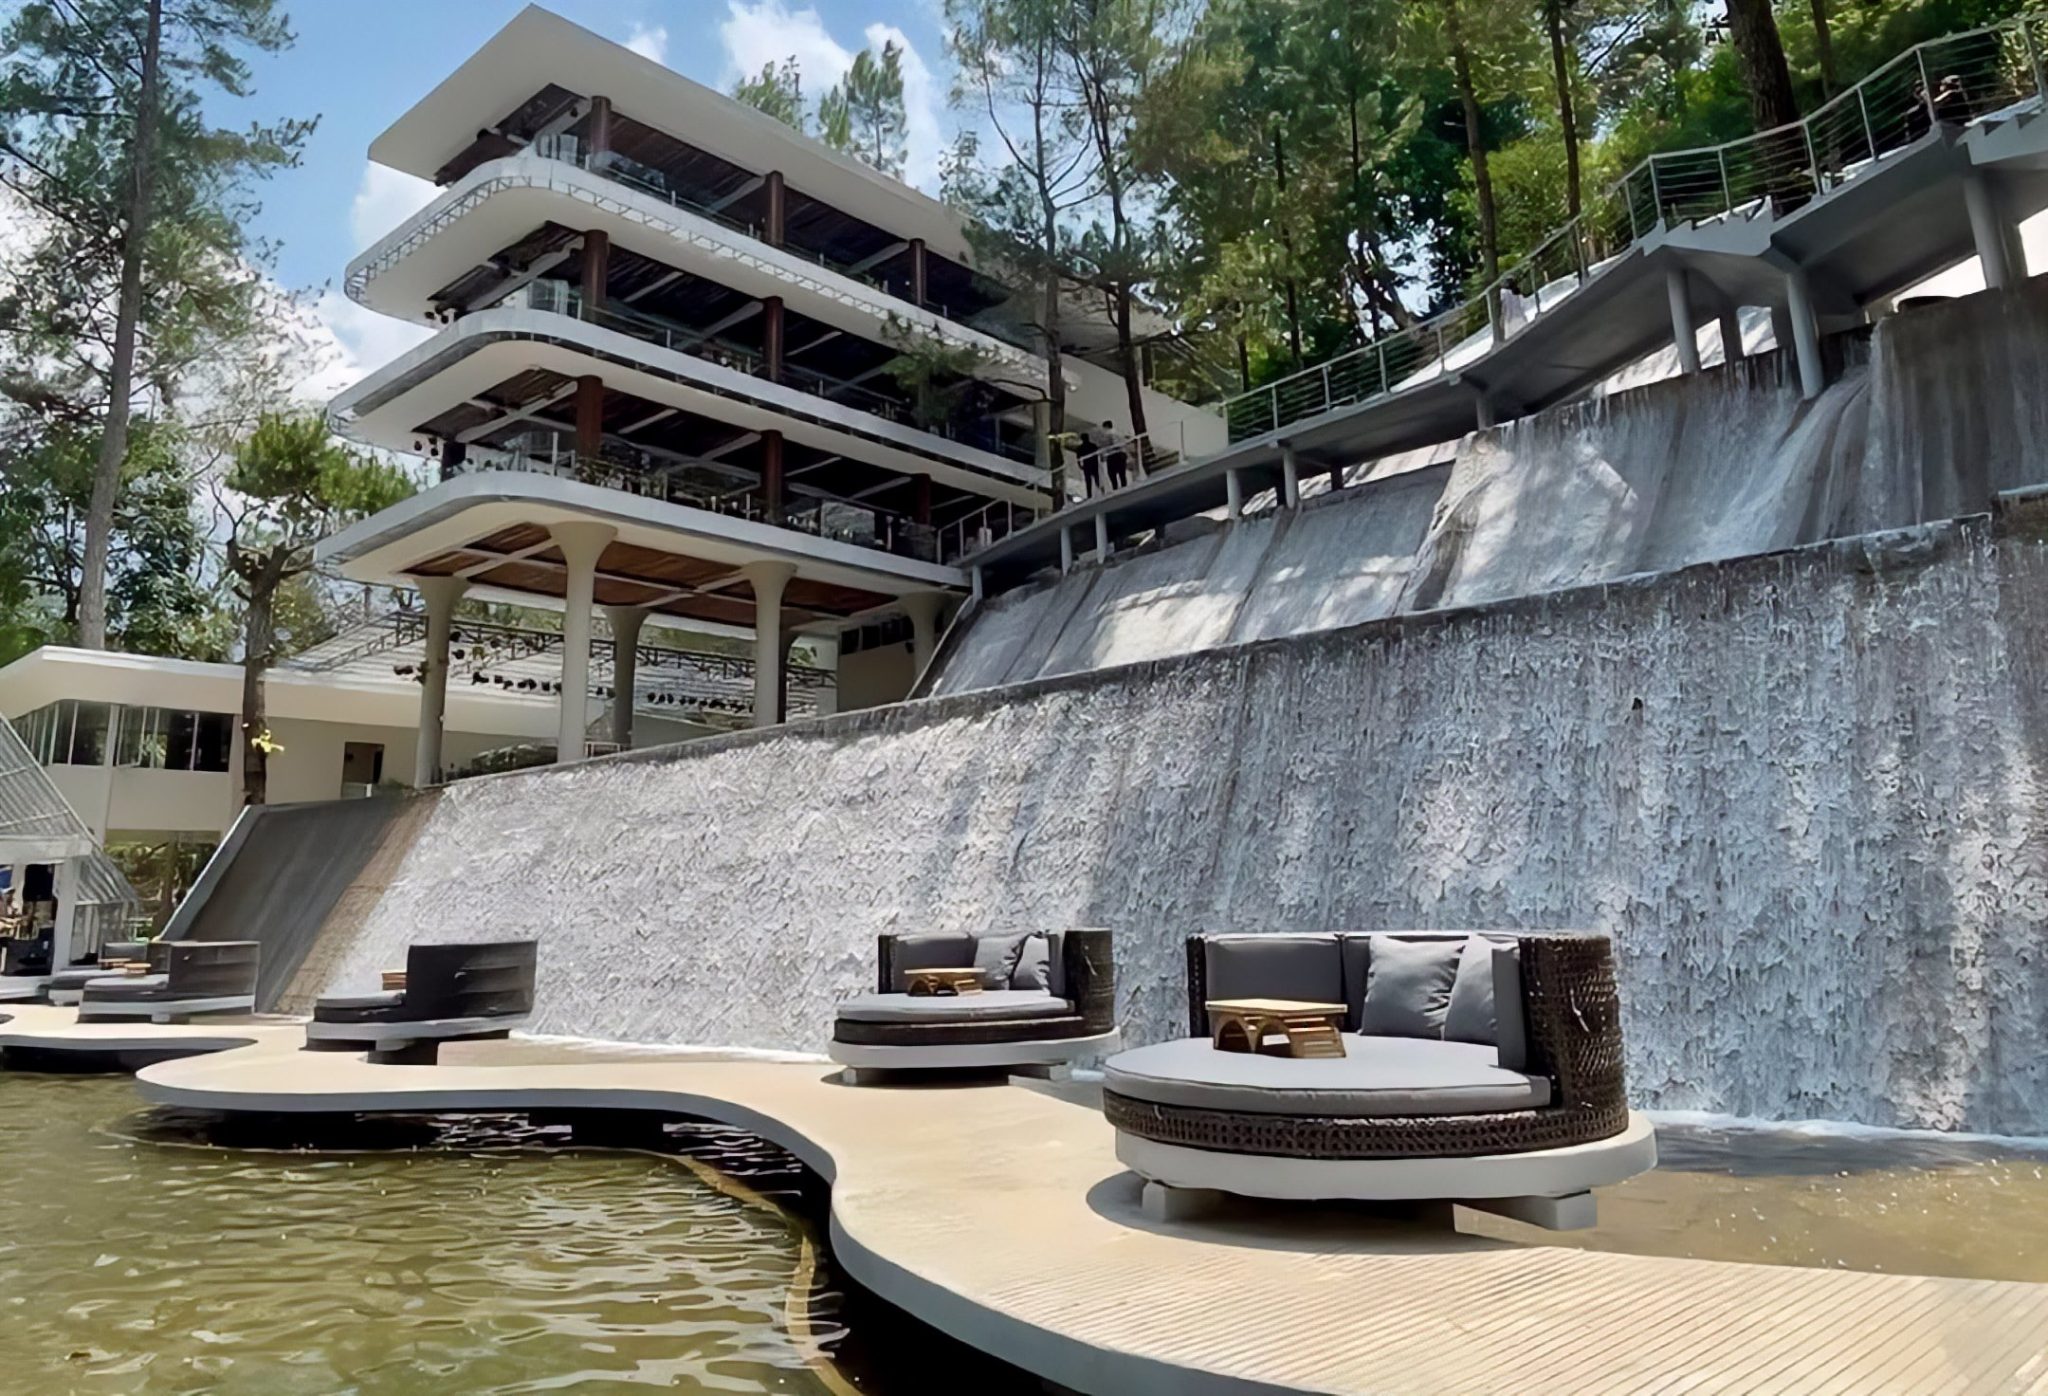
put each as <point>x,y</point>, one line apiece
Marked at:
<point>965,1001</point>
<point>185,979</point>
<point>451,993</point>
<point>67,986</point>
<point>1480,1067</point>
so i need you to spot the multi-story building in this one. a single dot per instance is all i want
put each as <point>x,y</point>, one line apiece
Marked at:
<point>662,379</point>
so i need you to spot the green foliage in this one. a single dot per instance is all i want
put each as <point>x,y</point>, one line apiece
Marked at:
<point>938,376</point>
<point>864,114</point>
<point>777,90</point>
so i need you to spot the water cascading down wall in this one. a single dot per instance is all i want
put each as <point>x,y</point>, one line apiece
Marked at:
<point>1802,790</point>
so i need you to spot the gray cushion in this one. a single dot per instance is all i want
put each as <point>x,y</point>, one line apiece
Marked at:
<point>1274,967</point>
<point>1376,1076</point>
<point>1408,986</point>
<point>929,952</point>
<point>127,986</point>
<point>991,1006</point>
<point>996,958</point>
<point>1034,964</point>
<point>1486,999</point>
<point>388,998</point>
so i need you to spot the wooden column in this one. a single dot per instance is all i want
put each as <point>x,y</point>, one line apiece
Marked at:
<point>917,281</point>
<point>589,415</point>
<point>777,199</point>
<point>771,338</point>
<point>921,500</point>
<point>771,476</point>
<point>597,262</point>
<point>600,127</point>
<point>454,454</point>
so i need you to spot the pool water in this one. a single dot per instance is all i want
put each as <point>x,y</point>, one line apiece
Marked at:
<point>436,1256</point>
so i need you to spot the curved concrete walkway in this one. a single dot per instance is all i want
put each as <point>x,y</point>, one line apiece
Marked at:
<point>1000,1215</point>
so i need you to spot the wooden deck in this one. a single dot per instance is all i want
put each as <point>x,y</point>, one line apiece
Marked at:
<point>999,1214</point>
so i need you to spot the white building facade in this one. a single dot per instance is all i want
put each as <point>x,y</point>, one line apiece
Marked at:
<point>662,380</point>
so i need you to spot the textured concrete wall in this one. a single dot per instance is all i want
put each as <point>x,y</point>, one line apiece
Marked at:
<point>1804,792</point>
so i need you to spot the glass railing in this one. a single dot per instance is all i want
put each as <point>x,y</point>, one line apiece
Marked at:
<point>841,521</point>
<point>652,182</point>
<point>558,297</point>
<point>1951,81</point>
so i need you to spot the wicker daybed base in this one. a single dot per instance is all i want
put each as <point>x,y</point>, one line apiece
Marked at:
<point>863,1034</point>
<point>1373,1137</point>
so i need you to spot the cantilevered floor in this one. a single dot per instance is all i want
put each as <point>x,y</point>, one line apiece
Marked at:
<point>999,1214</point>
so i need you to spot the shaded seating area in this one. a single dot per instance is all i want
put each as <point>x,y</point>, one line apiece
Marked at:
<point>963,1001</point>
<point>181,979</point>
<point>67,986</point>
<point>446,993</point>
<point>1479,1067</point>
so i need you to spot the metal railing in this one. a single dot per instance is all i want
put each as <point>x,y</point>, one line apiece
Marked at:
<point>1142,452</point>
<point>999,518</point>
<point>1949,81</point>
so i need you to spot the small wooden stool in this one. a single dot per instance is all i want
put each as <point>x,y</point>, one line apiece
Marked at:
<point>943,983</point>
<point>394,981</point>
<point>1306,1029</point>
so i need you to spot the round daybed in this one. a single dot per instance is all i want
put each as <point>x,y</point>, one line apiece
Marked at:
<point>1040,999</point>
<point>1477,1067</point>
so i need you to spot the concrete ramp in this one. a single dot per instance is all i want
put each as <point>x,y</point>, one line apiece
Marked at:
<point>297,875</point>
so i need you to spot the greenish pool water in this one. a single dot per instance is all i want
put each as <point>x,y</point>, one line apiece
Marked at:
<point>136,1261</point>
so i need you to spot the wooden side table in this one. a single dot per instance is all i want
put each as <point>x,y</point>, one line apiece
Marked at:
<point>394,981</point>
<point>943,983</point>
<point>1306,1029</point>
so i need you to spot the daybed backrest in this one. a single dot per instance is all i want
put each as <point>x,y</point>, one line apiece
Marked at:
<point>1337,968</point>
<point>484,979</point>
<point>898,955</point>
<point>1307,967</point>
<point>1077,962</point>
<point>209,968</point>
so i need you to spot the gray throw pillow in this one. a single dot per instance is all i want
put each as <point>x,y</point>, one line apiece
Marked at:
<point>1408,987</point>
<point>1470,1017</point>
<point>996,958</point>
<point>1034,964</point>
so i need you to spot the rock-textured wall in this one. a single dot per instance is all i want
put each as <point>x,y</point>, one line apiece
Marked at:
<point>1803,791</point>
<point>1945,405</point>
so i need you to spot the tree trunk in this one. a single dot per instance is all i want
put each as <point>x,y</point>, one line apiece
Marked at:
<point>259,638</point>
<point>1761,56</point>
<point>1134,390</point>
<point>106,475</point>
<point>1055,376</point>
<point>1287,244</point>
<point>1824,49</point>
<point>1567,120</point>
<point>1482,178</point>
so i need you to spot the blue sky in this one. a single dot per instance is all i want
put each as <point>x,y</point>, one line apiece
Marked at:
<point>358,64</point>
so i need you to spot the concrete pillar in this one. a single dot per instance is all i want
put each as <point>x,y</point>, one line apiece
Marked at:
<point>597,265</point>
<point>1731,333</point>
<point>974,583</point>
<point>589,416</point>
<point>1805,333</point>
<point>1482,411</point>
<point>440,595</point>
<point>1066,550</point>
<point>1989,231</point>
<point>63,933</point>
<point>1684,334</point>
<point>625,623</point>
<point>922,607</point>
<point>771,649</point>
<point>1102,537</point>
<point>1233,489</point>
<point>771,338</point>
<point>1290,478</point>
<point>778,200</point>
<point>772,489</point>
<point>581,544</point>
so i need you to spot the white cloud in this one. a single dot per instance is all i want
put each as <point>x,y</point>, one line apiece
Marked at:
<point>363,341</point>
<point>649,41</point>
<point>759,32</point>
<point>384,199</point>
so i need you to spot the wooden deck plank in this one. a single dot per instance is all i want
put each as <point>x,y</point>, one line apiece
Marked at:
<point>1000,1214</point>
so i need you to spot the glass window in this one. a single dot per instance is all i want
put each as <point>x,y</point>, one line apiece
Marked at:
<point>212,742</point>
<point>38,731</point>
<point>179,729</point>
<point>89,734</point>
<point>142,739</point>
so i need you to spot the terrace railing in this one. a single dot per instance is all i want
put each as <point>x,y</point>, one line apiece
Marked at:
<point>1950,81</point>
